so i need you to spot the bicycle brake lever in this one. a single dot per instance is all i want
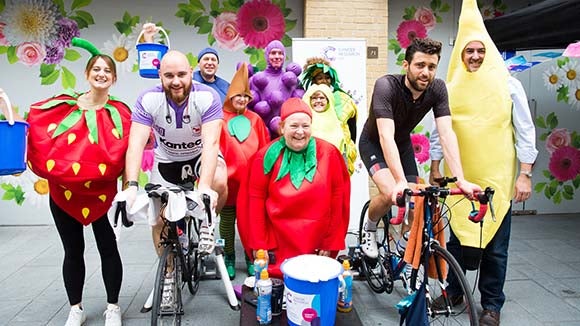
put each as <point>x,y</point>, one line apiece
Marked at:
<point>490,192</point>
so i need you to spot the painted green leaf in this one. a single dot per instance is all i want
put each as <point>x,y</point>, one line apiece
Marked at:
<point>445,7</point>
<point>287,41</point>
<point>196,4</point>
<point>539,186</point>
<point>13,193</point>
<point>426,168</point>
<point>552,120</point>
<point>575,139</point>
<point>547,174</point>
<point>11,55</point>
<point>46,70</point>
<point>50,79</point>
<point>562,94</point>
<point>558,197</point>
<point>71,54</point>
<point>86,16</point>
<point>567,196</point>
<point>2,5</point>
<point>540,122</point>
<point>3,49</point>
<point>544,136</point>
<point>235,3</point>
<point>568,189</point>
<point>201,21</point>
<point>68,78</point>
<point>79,4</point>
<point>394,45</point>
<point>210,39</point>
<point>122,27</point>
<point>553,186</point>
<point>205,28</point>
<point>192,59</point>
<point>214,5</point>
<point>547,193</point>
<point>290,24</point>
<point>438,19</point>
<point>80,21</point>
<point>576,182</point>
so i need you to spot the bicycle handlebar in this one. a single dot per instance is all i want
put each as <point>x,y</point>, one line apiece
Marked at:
<point>484,198</point>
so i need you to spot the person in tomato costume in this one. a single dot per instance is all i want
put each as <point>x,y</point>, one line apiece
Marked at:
<point>77,141</point>
<point>243,134</point>
<point>296,197</point>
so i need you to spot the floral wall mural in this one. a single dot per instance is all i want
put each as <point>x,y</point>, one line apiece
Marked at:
<point>36,34</point>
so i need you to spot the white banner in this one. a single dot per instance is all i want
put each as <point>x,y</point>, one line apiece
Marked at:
<point>348,58</point>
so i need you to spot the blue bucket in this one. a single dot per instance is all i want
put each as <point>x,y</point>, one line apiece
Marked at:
<point>149,56</point>
<point>13,143</point>
<point>311,288</point>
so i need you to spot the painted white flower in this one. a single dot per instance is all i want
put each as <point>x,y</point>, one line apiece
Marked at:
<point>571,73</point>
<point>30,21</point>
<point>574,96</point>
<point>553,78</point>
<point>35,190</point>
<point>122,50</point>
<point>15,179</point>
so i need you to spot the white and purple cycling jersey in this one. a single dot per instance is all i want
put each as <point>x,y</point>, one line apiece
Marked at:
<point>177,128</point>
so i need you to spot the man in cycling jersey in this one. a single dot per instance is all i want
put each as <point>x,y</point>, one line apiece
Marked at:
<point>398,104</point>
<point>186,119</point>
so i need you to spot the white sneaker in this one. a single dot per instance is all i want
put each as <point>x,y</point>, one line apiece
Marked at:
<point>112,315</point>
<point>369,243</point>
<point>76,317</point>
<point>167,295</point>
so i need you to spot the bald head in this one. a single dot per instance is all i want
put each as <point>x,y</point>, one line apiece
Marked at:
<point>176,75</point>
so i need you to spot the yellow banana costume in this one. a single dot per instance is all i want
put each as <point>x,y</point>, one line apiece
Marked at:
<point>481,110</point>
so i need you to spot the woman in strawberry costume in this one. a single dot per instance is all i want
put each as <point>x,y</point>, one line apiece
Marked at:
<point>77,141</point>
<point>296,198</point>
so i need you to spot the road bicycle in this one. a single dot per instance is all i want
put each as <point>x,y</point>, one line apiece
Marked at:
<point>381,272</point>
<point>182,264</point>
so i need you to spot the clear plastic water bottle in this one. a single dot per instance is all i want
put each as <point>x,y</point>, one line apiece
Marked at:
<point>264,308</point>
<point>183,240</point>
<point>345,296</point>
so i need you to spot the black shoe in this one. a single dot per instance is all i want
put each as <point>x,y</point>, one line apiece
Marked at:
<point>454,300</point>
<point>489,318</point>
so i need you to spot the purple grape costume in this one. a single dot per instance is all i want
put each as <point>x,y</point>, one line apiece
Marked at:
<point>272,87</point>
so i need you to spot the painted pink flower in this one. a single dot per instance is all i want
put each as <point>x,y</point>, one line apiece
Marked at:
<point>30,53</point>
<point>426,17</point>
<point>147,161</point>
<point>565,163</point>
<point>260,22</point>
<point>409,30</point>
<point>3,40</point>
<point>559,137</point>
<point>225,32</point>
<point>420,147</point>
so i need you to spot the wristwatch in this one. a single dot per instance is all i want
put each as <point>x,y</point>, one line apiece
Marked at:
<point>527,173</point>
<point>131,184</point>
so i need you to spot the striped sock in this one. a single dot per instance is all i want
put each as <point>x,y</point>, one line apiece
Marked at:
<point>227,228</point>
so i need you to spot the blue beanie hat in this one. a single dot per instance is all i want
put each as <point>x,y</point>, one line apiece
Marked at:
<point>206,51</point>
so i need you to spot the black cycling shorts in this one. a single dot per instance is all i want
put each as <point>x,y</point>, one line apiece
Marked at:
<point>373,159</point>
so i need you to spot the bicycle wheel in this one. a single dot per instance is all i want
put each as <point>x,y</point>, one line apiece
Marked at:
<point>192,260</point>
<point>441,311</point>
<point>374,268</point>
<point>168,310</point>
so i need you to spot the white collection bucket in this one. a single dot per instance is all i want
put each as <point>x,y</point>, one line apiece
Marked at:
<point>12,142</point>
<point>312,284</point>
<point>149,56</point>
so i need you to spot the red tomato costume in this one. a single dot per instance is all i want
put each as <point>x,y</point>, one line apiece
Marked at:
<point>80,152</point>
<point>237,150</point>
<point>276,215</point>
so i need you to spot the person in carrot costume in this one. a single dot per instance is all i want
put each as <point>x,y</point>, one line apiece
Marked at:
<point>243,134</point>
<point>77,141</point>
<point>296,197</point>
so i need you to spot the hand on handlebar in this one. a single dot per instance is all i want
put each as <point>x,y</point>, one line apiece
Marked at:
<point>469,189</point>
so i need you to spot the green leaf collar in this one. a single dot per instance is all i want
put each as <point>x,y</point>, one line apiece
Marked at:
<point>300,165</point>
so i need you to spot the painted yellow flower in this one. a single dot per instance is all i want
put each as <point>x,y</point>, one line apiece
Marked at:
<point>122,50</point>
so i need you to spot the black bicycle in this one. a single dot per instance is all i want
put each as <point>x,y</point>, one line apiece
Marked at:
<point>180,263</point>
<point>389,266</point>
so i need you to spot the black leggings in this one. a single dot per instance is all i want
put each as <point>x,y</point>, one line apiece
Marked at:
<point>73,268</point>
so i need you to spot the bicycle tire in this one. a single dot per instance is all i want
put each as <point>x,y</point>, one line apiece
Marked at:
<point>192,260</point>
<point>157,315</point>
<point>373,268</point>
<point>459,314</point>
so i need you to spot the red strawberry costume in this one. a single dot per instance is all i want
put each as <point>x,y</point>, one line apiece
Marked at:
<point>80,152</point>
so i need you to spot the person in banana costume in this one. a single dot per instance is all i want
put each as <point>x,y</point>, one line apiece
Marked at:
<point>494,128</point>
